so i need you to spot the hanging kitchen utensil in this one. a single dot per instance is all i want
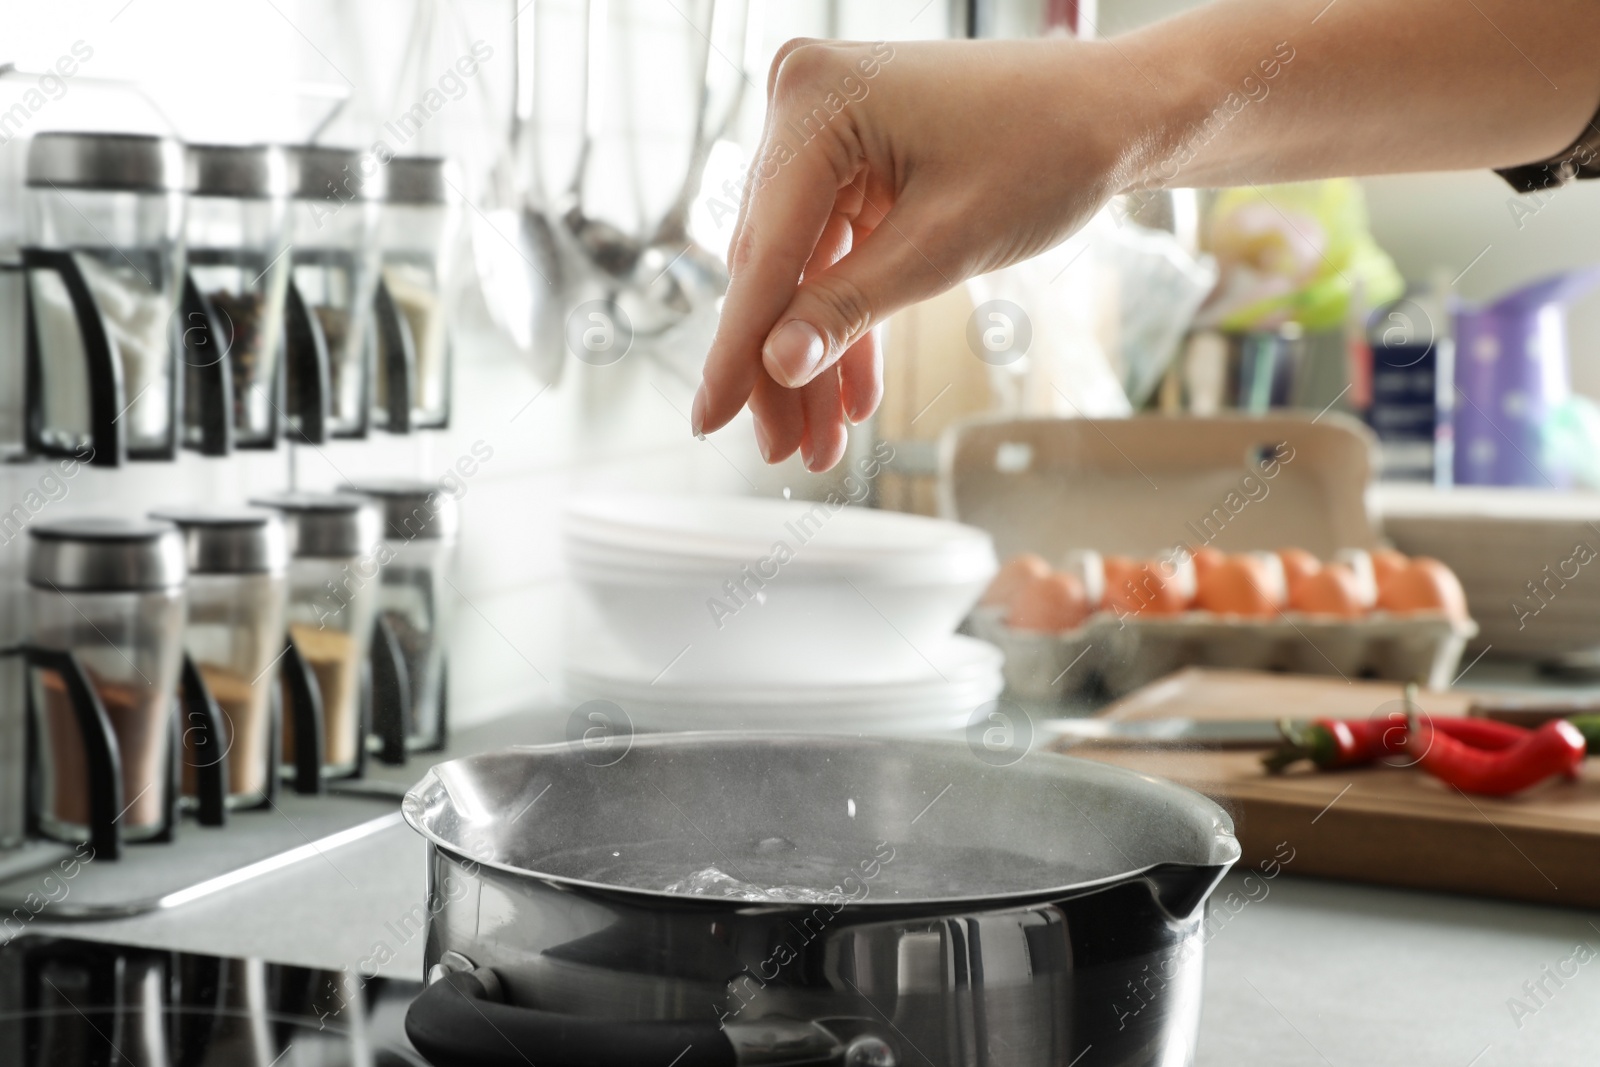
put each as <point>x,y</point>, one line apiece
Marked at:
<point>768,900</point>
<point>104,270</point>
<point>609,252</point>
<point>536,230</point>
<point>676,275</point>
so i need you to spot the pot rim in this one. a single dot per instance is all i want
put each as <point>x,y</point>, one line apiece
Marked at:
<point>1225,838</point>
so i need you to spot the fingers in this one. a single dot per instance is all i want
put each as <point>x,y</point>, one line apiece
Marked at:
<point>861,378</point>
<point>834,309</point>
<point>778,418</point>
<point>779,442</point>
<point>787,215</point>
<point>826,435</point>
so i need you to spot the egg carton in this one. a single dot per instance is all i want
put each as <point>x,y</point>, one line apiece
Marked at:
<point>1122,654</point>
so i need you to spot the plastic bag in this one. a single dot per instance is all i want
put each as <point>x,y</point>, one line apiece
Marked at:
<point>1160,288</point>
<point>1295,253</point>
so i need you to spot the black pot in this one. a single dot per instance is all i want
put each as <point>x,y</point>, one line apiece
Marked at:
<point>898,902</point>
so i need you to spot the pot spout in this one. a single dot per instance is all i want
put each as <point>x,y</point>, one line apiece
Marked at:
<point>1181,888</point>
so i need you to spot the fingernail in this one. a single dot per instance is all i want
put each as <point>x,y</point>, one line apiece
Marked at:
<point>806,453</point>
<point>697,414</point>
<point>762,442</point>
<point>797,350</point>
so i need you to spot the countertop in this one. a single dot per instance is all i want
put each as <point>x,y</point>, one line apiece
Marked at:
<point>1302,971</point>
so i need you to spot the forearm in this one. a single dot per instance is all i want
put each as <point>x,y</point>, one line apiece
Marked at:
<point>1269,90</point>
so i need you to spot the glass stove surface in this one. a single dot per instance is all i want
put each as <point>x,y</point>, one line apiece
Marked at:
<point>66,1002</point>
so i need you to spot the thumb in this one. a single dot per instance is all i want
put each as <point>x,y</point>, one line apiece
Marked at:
<point>835,308</point>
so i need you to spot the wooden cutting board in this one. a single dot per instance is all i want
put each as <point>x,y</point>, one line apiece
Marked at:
<point>1394,826</point>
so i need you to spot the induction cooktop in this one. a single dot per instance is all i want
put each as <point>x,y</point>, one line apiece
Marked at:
<point>66,1002</point>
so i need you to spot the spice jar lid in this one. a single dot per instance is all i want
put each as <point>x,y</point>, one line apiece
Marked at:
<point>231,540</point>
<point>114,161</point>
<point>418,180</point>
<point>319,172</point>
<point>105,556</point>
<point>327,525</point>
<point>412,510</point>
<point>247,172</point>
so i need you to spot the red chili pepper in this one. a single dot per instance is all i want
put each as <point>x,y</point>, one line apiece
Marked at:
<point>1330,743</point>
<point>1554,748</point>
<point>1489,735</point>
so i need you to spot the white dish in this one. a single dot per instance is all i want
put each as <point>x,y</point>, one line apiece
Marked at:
<point>969,676</point>
<point>751,590</point>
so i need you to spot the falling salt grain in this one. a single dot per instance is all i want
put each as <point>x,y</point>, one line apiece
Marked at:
<point>850,807</point>
<point>786,492</point>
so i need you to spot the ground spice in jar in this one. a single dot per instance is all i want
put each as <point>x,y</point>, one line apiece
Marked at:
<point>240,315</point>
<point>245,712</point>
<point>142,723</point>
<point>335,323</point>
<point>332,657</point>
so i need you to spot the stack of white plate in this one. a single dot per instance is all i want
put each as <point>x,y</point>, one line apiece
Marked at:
<point>714,613</point>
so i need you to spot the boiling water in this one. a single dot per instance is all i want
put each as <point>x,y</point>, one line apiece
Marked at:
<point>777,870</point>
<point>714,882</point>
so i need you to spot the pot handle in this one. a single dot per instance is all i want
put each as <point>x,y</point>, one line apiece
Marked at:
<point>446,1024</point>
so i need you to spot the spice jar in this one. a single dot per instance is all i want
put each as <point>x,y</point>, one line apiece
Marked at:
<point>420,527</point>
<point>238,562</point>
<point>237,232</point>
<point>111,593</point>
<point>334,567</point>
<point>104,268</point>
<point>333,219</point>
<point>417,236</point>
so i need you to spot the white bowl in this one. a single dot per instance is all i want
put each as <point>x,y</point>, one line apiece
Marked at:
<point>750,590</point>
<point>968,677</point>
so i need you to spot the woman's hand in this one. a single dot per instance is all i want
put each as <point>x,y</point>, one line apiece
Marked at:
<point>888,174</point>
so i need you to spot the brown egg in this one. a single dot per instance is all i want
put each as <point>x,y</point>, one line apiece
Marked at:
<point>1205,559</point>
<point>1148,587</point>
<point>1387,564</point>
<point>1298,565</point>
<point>1050,604</point>
<point>1425,586</point>
<point>1333,590</point>
<point>1015,573</point>
<point>1245,585</point>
